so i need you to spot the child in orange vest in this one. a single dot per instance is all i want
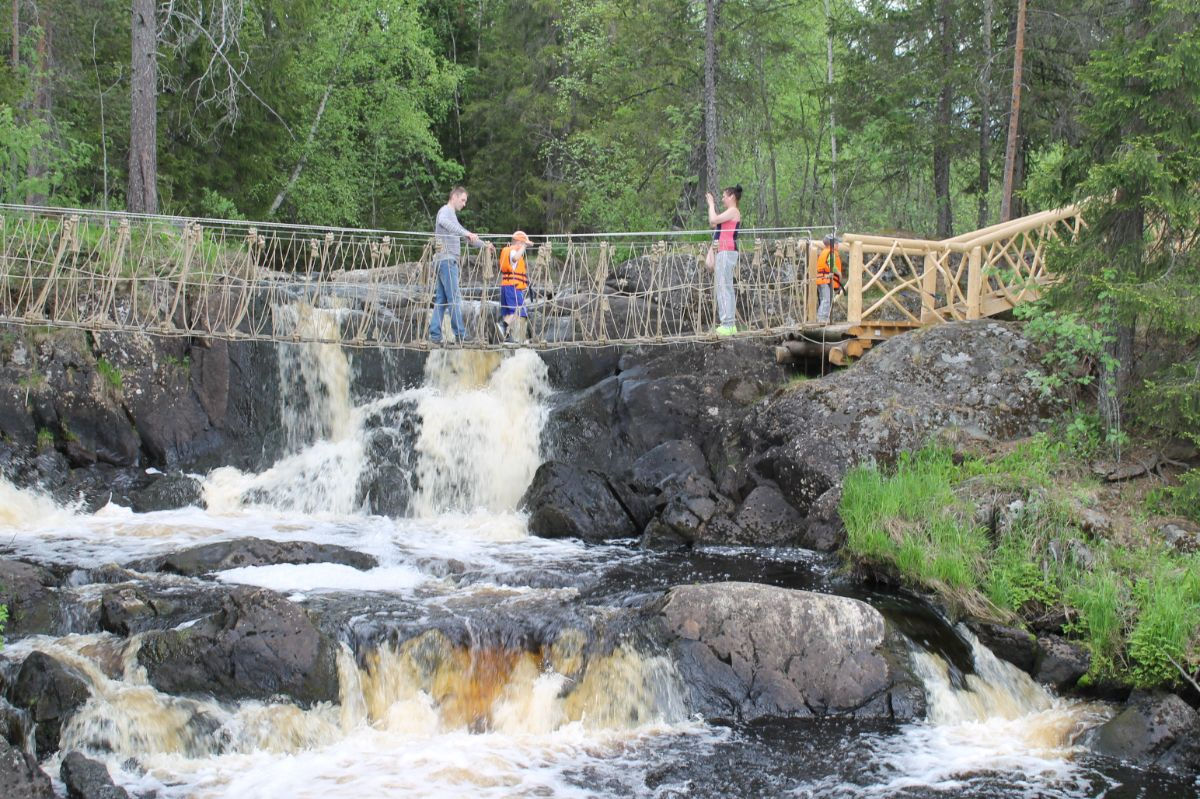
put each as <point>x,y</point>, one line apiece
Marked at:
<point>514,282</point>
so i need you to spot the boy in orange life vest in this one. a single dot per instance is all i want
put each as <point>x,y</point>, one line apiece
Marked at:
<point>829,278</point>
<point>514,282</point>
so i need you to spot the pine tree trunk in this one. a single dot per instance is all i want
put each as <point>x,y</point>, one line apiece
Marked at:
<point>941,134</point>
<point>16,34</point>
<point>712,7</point>
<point>985,115</point>
<point>1014,115</point>
<point>142,195</point>
<point>1126,236</point>
<point>35,167</point>
<point>833,155</point>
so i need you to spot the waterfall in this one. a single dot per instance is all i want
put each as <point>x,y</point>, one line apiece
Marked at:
<point>422,718</point>
<point>481,426</point>
<point>478,420</point>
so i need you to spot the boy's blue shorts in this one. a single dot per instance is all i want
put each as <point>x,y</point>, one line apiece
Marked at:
<point>512,301</point>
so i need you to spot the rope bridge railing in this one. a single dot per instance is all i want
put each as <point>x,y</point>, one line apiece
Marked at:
<point>170,276</point>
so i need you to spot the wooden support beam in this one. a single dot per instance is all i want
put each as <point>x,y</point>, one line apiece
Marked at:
<point>929,277</point>
<point>974,282</point>
<point>854,286</point>
<point>839,355</point>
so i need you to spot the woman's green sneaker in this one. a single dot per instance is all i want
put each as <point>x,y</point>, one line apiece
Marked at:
<point>726,330</point>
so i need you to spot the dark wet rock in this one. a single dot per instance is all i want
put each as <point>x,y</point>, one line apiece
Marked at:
<point>574,369</point>
<point>167,492</point>
<point>581,429</point>
<point>257,645</point>
<point>242,552</point>
<point>29,592</point>
<point>569,502</point>
<point>124,610</point>
<point>675,458</point>
<point>691,511</point>
<point>95,486</point>
<point>1060,663</point>
<point>126,401</point>
<point>88,779</point>
<point>768,518</point>
<point>972,375</point>
<point>15,724</point>
<point>1011,644</point>
<point>1154,729</point>
<point>20,777</point>
<point>823,528</point>
<point>51,691</point>
<point>157,605</point>
<point>747,651</point>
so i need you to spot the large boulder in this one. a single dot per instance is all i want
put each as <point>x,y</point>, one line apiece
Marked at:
<point>691,511</point>
<point>88,779</point>
<point>51,692</point>
<point>242,552</point>
<point>20,777</point>
<point>972,376</point>
<point>257,646</point>
<point>30,594</point>
<point>1154,729</point>
<point>748,650</point>
<point>1060,663</point>
<point>569,502</point>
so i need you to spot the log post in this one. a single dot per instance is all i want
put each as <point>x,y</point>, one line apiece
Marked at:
<point>929,289</point>
<point>974,282</point>
<point>810,282</point>
<point>854,286</point>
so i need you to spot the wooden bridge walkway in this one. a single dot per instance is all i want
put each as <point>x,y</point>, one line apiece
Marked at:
<point>167,276</point>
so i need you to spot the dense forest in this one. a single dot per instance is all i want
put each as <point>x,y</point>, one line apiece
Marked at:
<point>583,115</point>
<point>932,117</point>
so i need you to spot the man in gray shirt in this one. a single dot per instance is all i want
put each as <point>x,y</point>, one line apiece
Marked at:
<point>448,233</point>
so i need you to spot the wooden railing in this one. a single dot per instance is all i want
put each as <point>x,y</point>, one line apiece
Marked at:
<point>976,274</point>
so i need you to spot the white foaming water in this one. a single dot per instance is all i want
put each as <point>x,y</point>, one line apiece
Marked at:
<point>29,509</point>
<point>403,727</point>
<point>479,416</point>
<point>481,431</point>
<point>998,726</point>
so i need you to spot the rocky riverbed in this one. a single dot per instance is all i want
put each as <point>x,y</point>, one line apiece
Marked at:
<point>238,571</point>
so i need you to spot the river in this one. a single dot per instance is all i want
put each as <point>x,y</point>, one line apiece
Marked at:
<point>444,692</point>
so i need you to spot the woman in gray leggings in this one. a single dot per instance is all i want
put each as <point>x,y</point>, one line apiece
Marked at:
<point>725,234</point>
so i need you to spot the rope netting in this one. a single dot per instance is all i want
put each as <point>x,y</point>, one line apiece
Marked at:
<point>174,276</point>
<point>212,278</point>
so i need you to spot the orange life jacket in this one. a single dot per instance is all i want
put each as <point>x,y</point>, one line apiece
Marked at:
<point>510,274</point>
<point>825,275</point>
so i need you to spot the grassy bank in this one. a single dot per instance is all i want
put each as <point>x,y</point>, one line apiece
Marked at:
<point>1025,536</point>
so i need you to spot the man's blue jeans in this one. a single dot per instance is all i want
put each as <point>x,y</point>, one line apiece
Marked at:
<point>446,297</point>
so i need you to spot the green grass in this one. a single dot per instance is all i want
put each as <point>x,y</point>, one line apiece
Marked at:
<point>110,373</point>
<point>45,439</point>
<point>1135,607</point>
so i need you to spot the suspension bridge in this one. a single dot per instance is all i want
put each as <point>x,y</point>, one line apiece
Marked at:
<point>170,276</point>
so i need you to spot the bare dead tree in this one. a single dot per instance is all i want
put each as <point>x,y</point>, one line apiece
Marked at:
<point>216,25</point>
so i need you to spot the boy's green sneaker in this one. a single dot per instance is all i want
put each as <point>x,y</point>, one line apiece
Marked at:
<point>726,330</point>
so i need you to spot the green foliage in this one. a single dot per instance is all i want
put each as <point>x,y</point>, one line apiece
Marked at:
<point>1182,499</point>
<point>1072,349</point>
<point>1136,609</point>
<point>1164,636</point>
<point>110,373</point>
<point>45,439</point>
<point>3,622</point>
